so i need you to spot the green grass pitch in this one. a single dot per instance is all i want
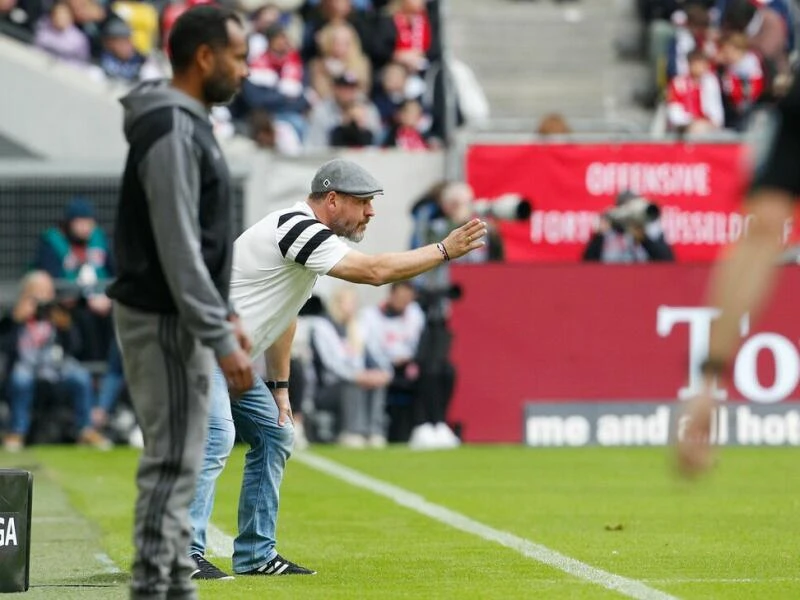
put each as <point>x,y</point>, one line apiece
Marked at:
<point>735,534</point>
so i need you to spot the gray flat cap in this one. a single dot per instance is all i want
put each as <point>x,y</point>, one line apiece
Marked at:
<point>345,177</point>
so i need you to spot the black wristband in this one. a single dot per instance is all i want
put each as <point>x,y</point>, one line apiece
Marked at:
<point>713,367</point>
<point>277,385</point>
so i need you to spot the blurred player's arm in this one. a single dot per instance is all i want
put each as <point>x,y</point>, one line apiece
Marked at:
<point>380,269</point>
<point>278,357</point>
<point>170,175</point>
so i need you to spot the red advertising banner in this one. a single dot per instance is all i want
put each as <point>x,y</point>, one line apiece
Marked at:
<point>603,333</point>
<point>699,188</point>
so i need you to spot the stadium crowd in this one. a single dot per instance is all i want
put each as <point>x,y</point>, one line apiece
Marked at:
<point>324,73</point>
<point>714,62</point>
<point>360,377</point>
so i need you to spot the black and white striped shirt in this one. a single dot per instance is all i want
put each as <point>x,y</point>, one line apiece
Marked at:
<point>276,263</point>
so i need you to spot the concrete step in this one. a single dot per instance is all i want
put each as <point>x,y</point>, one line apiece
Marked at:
<point>535,57</point>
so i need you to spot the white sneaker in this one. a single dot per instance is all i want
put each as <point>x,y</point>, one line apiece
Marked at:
<point>423,437</point>
<point>376,441</point>
<point>135,438</point>
<point>445,436</point>
<point>352,440</point>
<point>300,439</point>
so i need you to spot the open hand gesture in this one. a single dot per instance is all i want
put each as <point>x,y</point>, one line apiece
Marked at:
<point>465,239</point>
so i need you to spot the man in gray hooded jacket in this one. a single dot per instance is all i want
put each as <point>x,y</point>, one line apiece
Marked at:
<point>173,245</point>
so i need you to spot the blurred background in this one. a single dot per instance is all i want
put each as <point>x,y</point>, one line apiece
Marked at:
<point>608,144</point>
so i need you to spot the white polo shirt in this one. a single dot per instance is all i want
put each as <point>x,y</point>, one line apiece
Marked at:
<point>275,265</point>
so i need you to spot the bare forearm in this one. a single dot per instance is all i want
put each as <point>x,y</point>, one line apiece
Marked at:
<point>279,355</point>
<point>398,266</point>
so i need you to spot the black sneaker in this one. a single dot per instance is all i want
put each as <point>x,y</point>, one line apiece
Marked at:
<point>205,570</point>
<point>281,566</point>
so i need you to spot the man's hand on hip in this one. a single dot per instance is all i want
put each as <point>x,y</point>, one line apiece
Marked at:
<point>281,396</point>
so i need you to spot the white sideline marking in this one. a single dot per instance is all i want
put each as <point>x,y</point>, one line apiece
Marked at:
<point>724,580</point>
<point>108,564</point>
<point>679,580</point>
<point>219,543</point>
<point>627,587</point>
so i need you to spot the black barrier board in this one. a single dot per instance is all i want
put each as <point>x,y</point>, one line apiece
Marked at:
<point>16,502</point>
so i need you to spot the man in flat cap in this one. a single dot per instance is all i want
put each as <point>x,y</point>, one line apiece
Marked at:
<point>275,265</point>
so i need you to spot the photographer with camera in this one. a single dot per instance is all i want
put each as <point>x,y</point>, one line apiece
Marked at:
<point>39,342</point>
<point>445,207</point>
<point>629,232</point>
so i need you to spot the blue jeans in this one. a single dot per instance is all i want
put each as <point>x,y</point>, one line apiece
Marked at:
<point>22,387</point>
<point>254,415</point>
<point>113,381</point>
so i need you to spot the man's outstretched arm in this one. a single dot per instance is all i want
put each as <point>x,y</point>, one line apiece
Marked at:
<point>379,269</point>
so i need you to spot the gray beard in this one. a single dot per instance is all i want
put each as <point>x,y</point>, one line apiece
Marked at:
<point>354,235</point>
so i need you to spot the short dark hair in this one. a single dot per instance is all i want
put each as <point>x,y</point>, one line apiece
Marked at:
<point>697,54</point>
<point>198,26</point>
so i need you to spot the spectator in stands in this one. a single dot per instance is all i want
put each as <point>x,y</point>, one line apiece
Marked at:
<point>119,59</point>
<point>19,17</point>
<point>58,35</point>
<point>694,101</point>
<point>390,93</point>
<point>354,130</point>
<point>406,132</point>
<point>767,34</point>
<point>406,35</point>
<point>349,377</point>
<point>394,329</point>
<point>553,124</point>
<point>782,7</point>
<point>76,251</point>
<point>695,32</point>
<point>340,52</point>
<point>89,16</point>
<point>40,344</point>
<point>269,134</point>
<point>262,19</point>
<point>347,113</point>
<point>142,18</point>
<point>275,83</point>
<point>629,240</point>
<point>358,5</point>
<point>742,78</point>
<point>334,12</point>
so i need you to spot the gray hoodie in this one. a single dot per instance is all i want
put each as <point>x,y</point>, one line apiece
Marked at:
<point>174,234</point>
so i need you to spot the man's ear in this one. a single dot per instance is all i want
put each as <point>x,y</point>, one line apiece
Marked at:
<point>330,199</point>
<point>206,59</point>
